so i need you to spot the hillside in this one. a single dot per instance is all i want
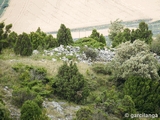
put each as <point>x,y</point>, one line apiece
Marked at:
<point>28,15</point>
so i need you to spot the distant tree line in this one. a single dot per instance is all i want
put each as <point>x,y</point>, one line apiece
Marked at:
<point>23,44</point>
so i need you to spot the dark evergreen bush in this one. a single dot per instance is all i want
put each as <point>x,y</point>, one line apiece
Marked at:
<point>12,38</point>
<point>119,35</point>
<point>70,84</point>
<point>96,36</point>
<point>3,35</point>
<point>114,102</point>
<point>30,111</point>
<point>37,40</point>
<point>64,36</point>
<point>145,93</point>
<point>23,45</point>
<point>50,42</point>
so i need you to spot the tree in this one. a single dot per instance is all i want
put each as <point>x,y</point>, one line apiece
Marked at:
<point>70,84</point>
<point>50,41</point>
<point>30,111</point>
<point>12,39</point>
<point>23,45</point>
<point>122,37</point>
<point>64,36</point>
<point>4,35</point>
<point>143,33</point>
<point>99,38</point>
<point>119,35</point>
<point>37,40</point>
<point>134,59</point>
<point>115,28</point>
<point>144,92</point>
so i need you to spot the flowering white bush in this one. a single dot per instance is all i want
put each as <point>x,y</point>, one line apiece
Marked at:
<point>135,59</point>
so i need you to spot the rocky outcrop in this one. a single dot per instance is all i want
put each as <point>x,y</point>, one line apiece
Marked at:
<point>63,52</point>
<point>60,110</point>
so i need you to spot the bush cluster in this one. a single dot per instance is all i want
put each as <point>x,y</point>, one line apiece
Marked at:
<point>4,32</point>
<point>144,92</point>
<point>102,69</point>
<point>118,34</point>
<point>30,111</point>
<point>134,59</point>
<point>90,42</point>
<point>70,84</point>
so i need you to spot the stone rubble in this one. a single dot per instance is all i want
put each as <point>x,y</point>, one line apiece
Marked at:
<point>63,51</point>
<point>67,112</point>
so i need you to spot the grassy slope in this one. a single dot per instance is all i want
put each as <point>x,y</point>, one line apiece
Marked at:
<point>8,77</point>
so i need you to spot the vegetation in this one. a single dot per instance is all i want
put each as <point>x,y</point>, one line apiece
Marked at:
<point>4,112</point>
<point>96,36</point>
<point>23,45</point>
<point>30,111</point>
<point>143,91</point>
<point>90,42</point>
<point>90,53</point>
<point>3,35</point>
<point>120,35</point>
<point>103,91</point>
<point>70,84</point>
<point>41,40</point>
<point>135,60</point>
<point>64,36</point>
<point>155,45</point>
<point>115,28</point>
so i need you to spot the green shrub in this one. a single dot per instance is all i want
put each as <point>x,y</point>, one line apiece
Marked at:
<point>114,102</point>
<point>38,100</point>
<point>37,40</point>
<point>96,36</point>
<point>122,37</point>
<point>70,84</point>
<point>30,111</point>
<point>84,114</point>
<point>51,42</point>
<point>134,59</point>
<point>119,35</point>
<point>144,92</point>
<point>102,69</point>
<point>99,115</point>
<point>12,39</point>
<point>90,42</point>
<point>3,35</point>
<point>115,28</point>
<point>20,95</point>
<point>23,45</point>
<point>29,73</point>
<point>64,36</point>
<point>4,112</point>
<point>90,53</point>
